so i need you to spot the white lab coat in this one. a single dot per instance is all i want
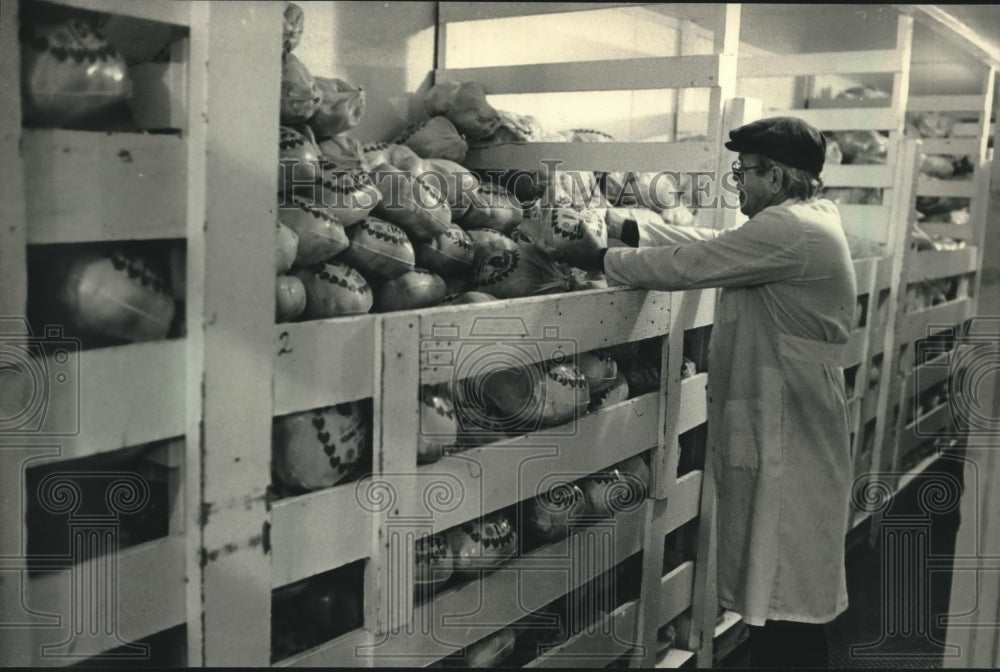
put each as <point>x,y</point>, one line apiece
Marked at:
<point>778,430</point>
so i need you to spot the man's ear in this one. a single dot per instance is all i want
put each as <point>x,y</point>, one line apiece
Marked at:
<point>775,178</point>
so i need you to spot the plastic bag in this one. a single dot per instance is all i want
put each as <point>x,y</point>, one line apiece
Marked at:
<point>300,96</point>
<point>464,104</point>
<point>70,75</point>
<point>341,108</point>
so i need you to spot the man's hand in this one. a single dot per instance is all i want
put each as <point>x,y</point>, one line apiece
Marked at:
<point>586,254</point>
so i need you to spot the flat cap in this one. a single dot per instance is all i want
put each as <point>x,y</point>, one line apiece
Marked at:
<point>789,140</point>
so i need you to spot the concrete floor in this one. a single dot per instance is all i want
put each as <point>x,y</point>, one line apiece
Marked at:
<point>885,627</point>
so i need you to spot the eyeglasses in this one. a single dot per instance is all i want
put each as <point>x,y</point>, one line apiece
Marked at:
<point>739,170</point>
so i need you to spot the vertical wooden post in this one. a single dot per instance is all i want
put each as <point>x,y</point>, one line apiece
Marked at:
<point>981,204</point>
<point>232,580</point>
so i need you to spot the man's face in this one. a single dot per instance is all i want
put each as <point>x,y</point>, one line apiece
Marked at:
<point>754,188</point>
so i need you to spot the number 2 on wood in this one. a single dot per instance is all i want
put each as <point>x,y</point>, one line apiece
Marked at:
<point>284,343</point>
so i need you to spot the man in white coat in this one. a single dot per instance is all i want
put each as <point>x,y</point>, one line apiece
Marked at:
<point>778,417</point>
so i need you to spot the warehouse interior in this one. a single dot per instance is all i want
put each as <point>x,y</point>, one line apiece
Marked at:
<point>325,421</point>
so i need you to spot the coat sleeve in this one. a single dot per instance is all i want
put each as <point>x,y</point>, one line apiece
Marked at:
<point>654,234</point>
<point>766,249</point>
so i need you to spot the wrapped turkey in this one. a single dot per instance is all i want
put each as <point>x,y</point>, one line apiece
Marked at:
<point>290,298</point>
<point>929,125</point>
<point>292,25</point>
<point>438,426</point>
<point>456,184</point>
<point>379,249</point>
<point>559,230</point>
<point>286,247</point>
<point>862,147</point>
<point>938,166</point>
<point>320,233</point>
<point>492,207</point>
<point>448,253</point>
<point>486,242</point>
<point>526,271</point>
<point>394,154</point>
<point>432,563</point>
<point>464,298</point>
<point>435,138</point>
<point>319,448</point>
<point>333,289</point>
<point>412,203</point>
<point>70,76</point>
<point>343,150</point>
<point>615,218</point>
<point>464,104</point>
<point>347,193</point>
<point>550,513</point>
<point>615,393</point>
<point>111,292</point>
<point>482,544</point>
<point>588,135</point>
<point>341,107</point>
<point>599,368</point>
<point>300,95</point>
<point>418,288</point>
<point>298,162</point>
<point>661,192</point>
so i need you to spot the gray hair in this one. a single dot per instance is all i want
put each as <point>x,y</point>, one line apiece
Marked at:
<point>796,182</point>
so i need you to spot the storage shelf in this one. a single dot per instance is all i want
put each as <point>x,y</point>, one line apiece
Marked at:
<point>932,265</point>
<point>499,474</point>
<point>116,398</point>
<point>608,639</point>
<point>848,175</point>
<point>676,592</point>
<point>514,590</point>
<point>829,63</point>
<point>83,186</point>
<point>929,186</point>
<point>921,323</point>
<point>299,550</point>
<point>177,13</point>
<point>673,658</point>
<point>859,119</point>
<point>325,362</point>
<point>633,74</point>
<point>682,157</point>
<point>144,607</point>
<point>694,402</point>
<point>454,338</point>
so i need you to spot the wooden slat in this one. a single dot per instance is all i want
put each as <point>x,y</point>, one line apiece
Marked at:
<point>537,327</point>
<point>126,396</point>
<point>921,466</point>
<point>729,634</point>
<point>86,186</point>
<point>956,231</point>
<point>867,221</point>
<point>478,11</point>
<point>930,373</point>
<point>929,186</point>
<point>339,652</point>
<point>676,590</point>
<point>299,550</point>
<point>854,349</point>
<point>684,503</point>
<point>632,74</point>
<point>604,156</point>
<point>931,265</point>
<point>150,590</point>
<point>177,13</point>
<point>322,363</point>
<point>510,471</point>
<point>926,427</point>
<point>864,274</point>
<point>692,309</point>
<point>942,103</point>
<point>883,274</point>
<point>830,63</point>
<point>841,175</point>
<point>609,638</point>
<point>673,658</point>
<point>918,324</point>
<point>861,119</point>
<point>957,146</point>
<point>522,585</point>
<point>970,130</point>
<point>694,402</point>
